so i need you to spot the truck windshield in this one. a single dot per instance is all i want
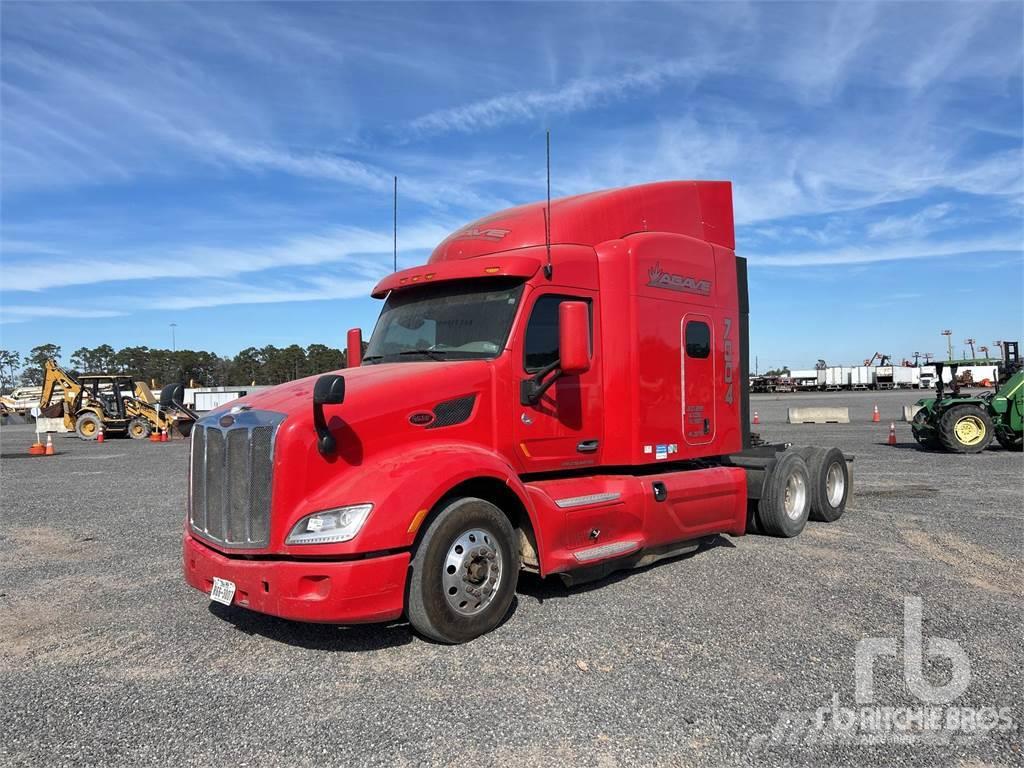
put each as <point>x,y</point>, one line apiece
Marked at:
<point>462,320</point>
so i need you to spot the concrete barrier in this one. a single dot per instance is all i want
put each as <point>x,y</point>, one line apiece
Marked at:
<point>44,425</point>
<point>909,411</point>
<point>819,415</point>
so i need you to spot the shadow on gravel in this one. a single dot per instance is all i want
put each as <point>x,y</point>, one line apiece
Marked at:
<point>531,585</point>
<point>993,448</point>
<point>317,637</point>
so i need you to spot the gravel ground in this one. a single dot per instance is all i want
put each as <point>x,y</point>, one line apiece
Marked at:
<point>108,658</point>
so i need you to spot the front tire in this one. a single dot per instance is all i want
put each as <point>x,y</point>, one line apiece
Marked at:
<point>965,429</point>
<point>1010,442</point>
<point>464,573</point>
<point>138,429</point>
<point>88,426</point>
<point>786,502</point>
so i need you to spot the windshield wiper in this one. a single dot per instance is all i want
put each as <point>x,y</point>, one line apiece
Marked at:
<point>433,354</point>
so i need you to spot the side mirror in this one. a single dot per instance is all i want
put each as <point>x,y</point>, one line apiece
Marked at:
<point>171,395</point>
<point>574,337</point>
<point>328,390</point>
<point>355,348</point>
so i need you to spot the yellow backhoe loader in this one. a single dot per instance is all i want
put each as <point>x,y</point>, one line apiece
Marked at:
<point>110,402</point>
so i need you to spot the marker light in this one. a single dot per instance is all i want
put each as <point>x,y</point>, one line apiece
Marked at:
<point>330,526</point>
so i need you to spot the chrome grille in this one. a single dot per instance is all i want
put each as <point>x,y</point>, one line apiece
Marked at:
<point>231,478</point>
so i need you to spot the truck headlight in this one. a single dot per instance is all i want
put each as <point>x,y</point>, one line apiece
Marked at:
<point>330,526</point>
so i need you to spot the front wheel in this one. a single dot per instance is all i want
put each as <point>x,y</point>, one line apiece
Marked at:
<point>138,428</point>
<point>88,426</point>
<point>1010,442</point>
<point>464,573</point>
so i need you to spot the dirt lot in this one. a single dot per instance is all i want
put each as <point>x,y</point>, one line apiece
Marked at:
<point>108,658</point>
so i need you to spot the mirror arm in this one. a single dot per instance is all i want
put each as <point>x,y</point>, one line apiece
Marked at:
<point>325,440</point>
<point>533,389</point>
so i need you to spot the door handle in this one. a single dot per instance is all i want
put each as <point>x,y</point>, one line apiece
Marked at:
<point>586,446</point>
<point>707,426</point>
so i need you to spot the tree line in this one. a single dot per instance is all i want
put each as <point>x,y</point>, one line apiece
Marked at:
<point>259,365</point>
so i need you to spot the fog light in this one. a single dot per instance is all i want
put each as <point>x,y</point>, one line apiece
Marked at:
<point>330,526</point>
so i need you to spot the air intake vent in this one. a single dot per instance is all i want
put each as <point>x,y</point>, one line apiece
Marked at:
<point>452,412</point>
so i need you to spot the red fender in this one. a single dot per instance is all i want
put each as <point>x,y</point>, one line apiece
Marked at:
<point>404,485</point>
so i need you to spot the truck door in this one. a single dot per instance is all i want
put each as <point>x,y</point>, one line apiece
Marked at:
<point>563,430</point>
<point>698,379</point>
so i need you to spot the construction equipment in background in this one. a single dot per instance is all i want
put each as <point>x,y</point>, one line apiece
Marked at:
<point>882,359</point>
<point>968,423</point>
<point>114,403</point>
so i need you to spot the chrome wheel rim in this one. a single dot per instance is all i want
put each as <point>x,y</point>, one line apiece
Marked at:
<point>835,484</point>
<point>795,502</point>
<point>472,572</point>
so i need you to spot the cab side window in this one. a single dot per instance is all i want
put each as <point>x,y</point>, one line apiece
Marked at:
<point>541,344</point>
<point>698,339</point>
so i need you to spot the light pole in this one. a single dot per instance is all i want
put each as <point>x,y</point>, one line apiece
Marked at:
<point>949,342</point>
<point>174,343</point>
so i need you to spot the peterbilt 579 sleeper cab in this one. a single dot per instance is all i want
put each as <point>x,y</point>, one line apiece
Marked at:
<point>565,410</point>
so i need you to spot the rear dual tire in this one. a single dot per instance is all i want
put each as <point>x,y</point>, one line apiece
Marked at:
<point>785,502</point>
<point>830,483</point>
<point>806,483</point>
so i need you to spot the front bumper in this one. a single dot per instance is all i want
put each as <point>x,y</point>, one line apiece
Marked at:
<point>330,592</point>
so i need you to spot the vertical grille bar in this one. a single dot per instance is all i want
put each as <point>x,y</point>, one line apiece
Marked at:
<point>215,476</point>
<point>197,495</point>
<point>237,486</point>
<point>262,457</point>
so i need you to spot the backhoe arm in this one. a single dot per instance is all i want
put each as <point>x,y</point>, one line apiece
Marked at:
<point>53,374</point>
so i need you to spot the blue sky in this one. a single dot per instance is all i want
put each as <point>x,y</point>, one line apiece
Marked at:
<point>227,167</point>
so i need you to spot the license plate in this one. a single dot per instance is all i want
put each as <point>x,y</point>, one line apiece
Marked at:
<point>223,591</point>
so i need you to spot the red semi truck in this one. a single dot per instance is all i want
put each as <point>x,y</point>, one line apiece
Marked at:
<point>565,399</point>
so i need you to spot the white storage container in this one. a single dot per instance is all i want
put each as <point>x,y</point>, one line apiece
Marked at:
<point>862,377</point>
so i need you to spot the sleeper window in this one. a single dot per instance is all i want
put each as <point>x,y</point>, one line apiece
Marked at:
<point>698,339</point>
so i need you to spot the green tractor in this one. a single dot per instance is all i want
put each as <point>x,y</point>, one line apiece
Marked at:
<point>963,423</point>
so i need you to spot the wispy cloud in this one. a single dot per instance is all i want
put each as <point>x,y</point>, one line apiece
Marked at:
<point>360,251</point>
<point>916,225</point>
<point>26,312</point>
<point>576,95</point>
<point>893,251</point>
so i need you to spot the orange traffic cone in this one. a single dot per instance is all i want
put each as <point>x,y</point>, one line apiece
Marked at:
<point>37,448</point>
<point>49,446</point>
<point>757,419</point>
<point>163,436</point>
<point>154,437</point>
<point>99,436</point>
<point>874,416</point>
<point>892,433</point>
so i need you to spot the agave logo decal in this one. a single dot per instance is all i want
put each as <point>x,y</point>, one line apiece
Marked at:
<point>492,234</point>
<point>658,278</point>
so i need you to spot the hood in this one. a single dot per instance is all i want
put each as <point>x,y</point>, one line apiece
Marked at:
<point>377,390</point>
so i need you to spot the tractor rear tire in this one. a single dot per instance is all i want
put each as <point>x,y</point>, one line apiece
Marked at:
<point>830,482</point>
<point>88,426</point>
<point>786,502</point>
<point>965,429</point>
<point>138,429</point>
<point>463,576</point>
<point>1010,443</point>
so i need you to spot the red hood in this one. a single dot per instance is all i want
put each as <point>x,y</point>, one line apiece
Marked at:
<point>372,390</point>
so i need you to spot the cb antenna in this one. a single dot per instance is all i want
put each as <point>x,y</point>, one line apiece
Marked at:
<point>547,212</point>
<point>394,212</point>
